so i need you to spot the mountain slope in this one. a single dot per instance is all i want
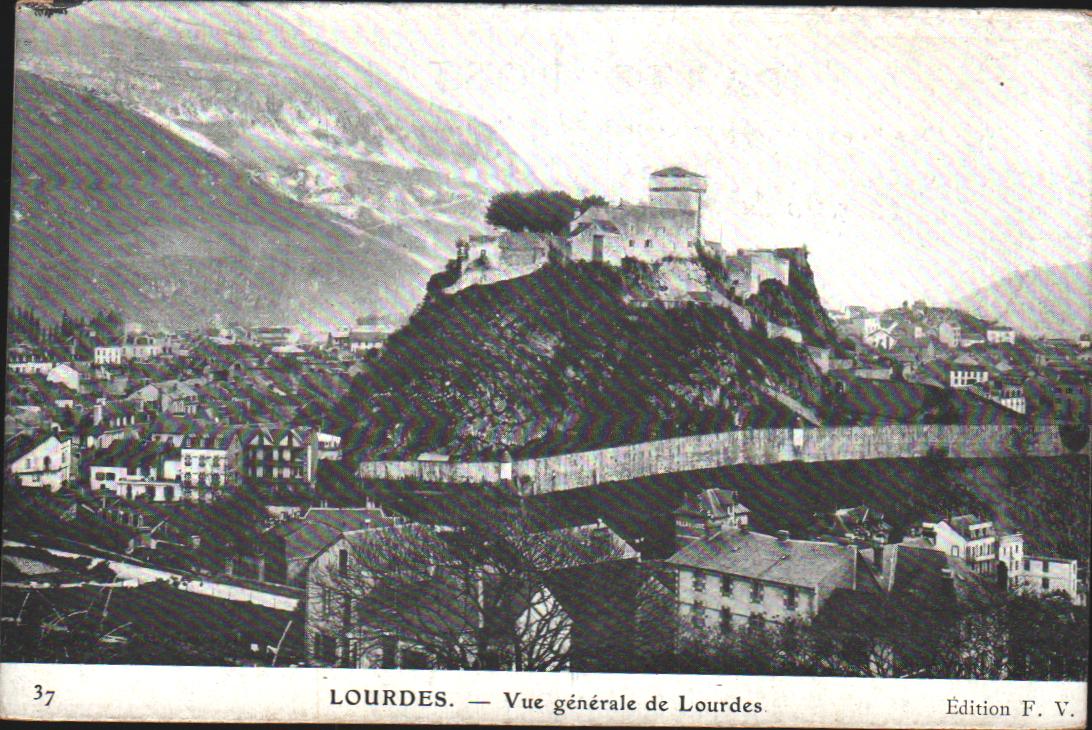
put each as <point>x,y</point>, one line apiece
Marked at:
<point>1046,300</point>
<point>558,361</point>
<point>257,92</point>
<point>109,209</point>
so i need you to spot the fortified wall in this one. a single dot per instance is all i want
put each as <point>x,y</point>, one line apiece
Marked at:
<point>760,446</point>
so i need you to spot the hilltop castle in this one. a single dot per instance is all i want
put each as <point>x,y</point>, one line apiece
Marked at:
<point>668,225</point>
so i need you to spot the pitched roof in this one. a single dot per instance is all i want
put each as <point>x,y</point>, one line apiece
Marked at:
<point>764,557</point>
<point>712,504</point>
<point>675,171</point>
<point>602,225</point>
<point>216,436</point>
<point>129,453</point>
<point>394,545</point>
<point>962,524</point>
<point>915,576</point>
<point>320,527</point>
<point>15,447</point>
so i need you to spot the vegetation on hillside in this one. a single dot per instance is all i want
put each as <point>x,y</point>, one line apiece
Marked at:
<point>541,211</point>
<point>558,361</point>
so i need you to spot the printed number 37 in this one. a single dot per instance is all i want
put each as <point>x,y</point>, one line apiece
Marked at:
<point>46,694</point>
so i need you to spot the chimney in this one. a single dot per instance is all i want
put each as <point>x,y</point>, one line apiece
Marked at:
<point>782,535</point>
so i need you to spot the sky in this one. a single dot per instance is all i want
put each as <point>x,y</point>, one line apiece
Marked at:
<point>917,154</point>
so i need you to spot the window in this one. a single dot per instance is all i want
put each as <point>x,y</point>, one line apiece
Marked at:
<point>790,598</point>
<point>756,621</point>
<point>697,616</point>
<point>631,242</point>
<point>342,561</point>
<point>1046,584</point>
<point>648,243</point>
<point>756,592</point>
<point>1046,567</point>
<point>1027,566</point>
<point>725,621</point>
<point>215,480</point>
<point>168,494</point>
<point>726,585</point>
<point>699,581</point>
<point>955,550</point>
<point>326,601</point>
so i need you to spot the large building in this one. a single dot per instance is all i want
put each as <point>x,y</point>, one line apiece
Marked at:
<point>668,225</point>
<point>736,577</point>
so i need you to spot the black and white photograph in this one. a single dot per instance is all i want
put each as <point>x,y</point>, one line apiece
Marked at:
<point>656,344</point>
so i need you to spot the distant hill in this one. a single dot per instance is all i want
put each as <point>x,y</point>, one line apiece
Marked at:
<point>261,100</point>
<point>1046,300</point>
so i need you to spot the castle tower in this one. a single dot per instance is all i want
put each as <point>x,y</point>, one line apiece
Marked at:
<point>675,187</point>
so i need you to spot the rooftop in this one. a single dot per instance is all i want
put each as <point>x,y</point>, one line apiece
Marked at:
<point>675,171</point>
<point>764,557</point>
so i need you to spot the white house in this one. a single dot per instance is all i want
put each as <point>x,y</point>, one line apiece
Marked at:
<point>108,355</point>
<point>950,333</point>
<point>1001,334</point>
<point>212,459</point>
<point>39,460</point>
<point>964,375</point>
<point>66,375</point>
<point>328,445</point>
<point>880,338</point>
<point>1044,575</point>
<point>970,538</point>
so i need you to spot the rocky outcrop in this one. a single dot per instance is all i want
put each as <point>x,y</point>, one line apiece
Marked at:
<point>566,358</point>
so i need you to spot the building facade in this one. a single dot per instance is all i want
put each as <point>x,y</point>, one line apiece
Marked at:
<point>40,460</point>
<point>737,577</point>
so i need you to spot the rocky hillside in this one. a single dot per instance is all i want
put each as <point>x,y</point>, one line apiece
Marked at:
<point>109,210</point>
<point>259,94</point>
<point>797,305</point>
<point>559,361</point>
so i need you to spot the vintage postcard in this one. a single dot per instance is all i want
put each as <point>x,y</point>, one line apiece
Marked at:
<point>548,365</point>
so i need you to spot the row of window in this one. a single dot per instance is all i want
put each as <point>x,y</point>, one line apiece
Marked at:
<point>194,478</point>
<point>274,454</point>
<point>727,586</point>
<point>203,461</point>
<point>698,619</point>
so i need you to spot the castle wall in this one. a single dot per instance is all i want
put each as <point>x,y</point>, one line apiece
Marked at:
<point>760,446</point>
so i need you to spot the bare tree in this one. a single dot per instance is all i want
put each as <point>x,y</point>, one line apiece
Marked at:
<point>472,597</point>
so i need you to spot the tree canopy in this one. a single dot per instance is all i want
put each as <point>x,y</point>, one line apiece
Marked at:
<point>541,211</point>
